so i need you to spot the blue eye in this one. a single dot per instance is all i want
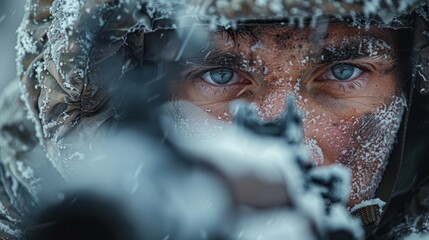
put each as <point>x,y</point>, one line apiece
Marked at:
<point>220,76</point>
<point>342,72</point>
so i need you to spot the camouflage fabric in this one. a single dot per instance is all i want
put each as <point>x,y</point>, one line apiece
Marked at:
<point>18,151</point>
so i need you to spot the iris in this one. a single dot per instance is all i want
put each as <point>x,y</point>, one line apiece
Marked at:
<point>343,71</point>
<point>221,76</point>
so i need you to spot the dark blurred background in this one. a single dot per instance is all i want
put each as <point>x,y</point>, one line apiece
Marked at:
<point>11,12</point>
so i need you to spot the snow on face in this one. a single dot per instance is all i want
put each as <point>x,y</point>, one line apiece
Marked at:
<point>344,81</point>
<point>363,144</point>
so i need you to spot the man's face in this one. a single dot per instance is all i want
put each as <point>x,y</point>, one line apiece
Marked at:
<point>344,80</point>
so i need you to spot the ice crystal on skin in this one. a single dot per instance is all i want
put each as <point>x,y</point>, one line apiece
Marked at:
<point>270,110</point>
<point>366,151</point>
<point>371,139</point>
<point>258,45</point>
<point>317,153</point>
<point>369,158</point>
<point>374,46</point>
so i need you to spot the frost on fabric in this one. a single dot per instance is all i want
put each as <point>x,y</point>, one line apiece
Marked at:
<point>25,42</point>
<point>412,227</point>
<point>387,14</point>
<point>25,45</point>
<point>4,213</point>
<point>65,13</point>
<point>228,13</point>
<point>8,230</point>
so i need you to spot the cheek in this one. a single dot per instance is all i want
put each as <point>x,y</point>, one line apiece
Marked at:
<point>326,138</point>
<point>362,143</point>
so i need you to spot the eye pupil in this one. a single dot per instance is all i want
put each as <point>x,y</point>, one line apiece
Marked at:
<point>222,75</point>
<point>343,71</point>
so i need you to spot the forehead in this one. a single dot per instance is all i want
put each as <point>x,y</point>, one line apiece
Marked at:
<point>280,44</point>
<point>283,37</point>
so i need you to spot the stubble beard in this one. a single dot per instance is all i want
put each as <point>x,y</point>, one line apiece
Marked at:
<point>371,143</point>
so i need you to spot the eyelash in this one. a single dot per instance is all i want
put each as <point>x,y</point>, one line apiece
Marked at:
<point>345,86</point>
<point>213,89</point>
<point>350,85</point>
<point>206,87</point>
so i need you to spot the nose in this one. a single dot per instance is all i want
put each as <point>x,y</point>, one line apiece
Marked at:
<point>271,99</point>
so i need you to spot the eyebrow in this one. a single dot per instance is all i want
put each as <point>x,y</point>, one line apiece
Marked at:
<point>210,56</point>
<point>362,46</point>
<point>355,47</point>
<point>217,59</point>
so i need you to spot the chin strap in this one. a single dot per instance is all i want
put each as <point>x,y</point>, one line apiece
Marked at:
<point>368,214</point>
<point>369,211</point>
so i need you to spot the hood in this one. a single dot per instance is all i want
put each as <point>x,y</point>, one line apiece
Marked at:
<point>71,53</point>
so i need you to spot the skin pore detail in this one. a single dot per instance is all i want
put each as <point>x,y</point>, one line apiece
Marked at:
<point>345,83</point>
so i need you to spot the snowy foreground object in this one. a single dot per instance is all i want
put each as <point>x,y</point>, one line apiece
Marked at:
<point>251,180</point>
